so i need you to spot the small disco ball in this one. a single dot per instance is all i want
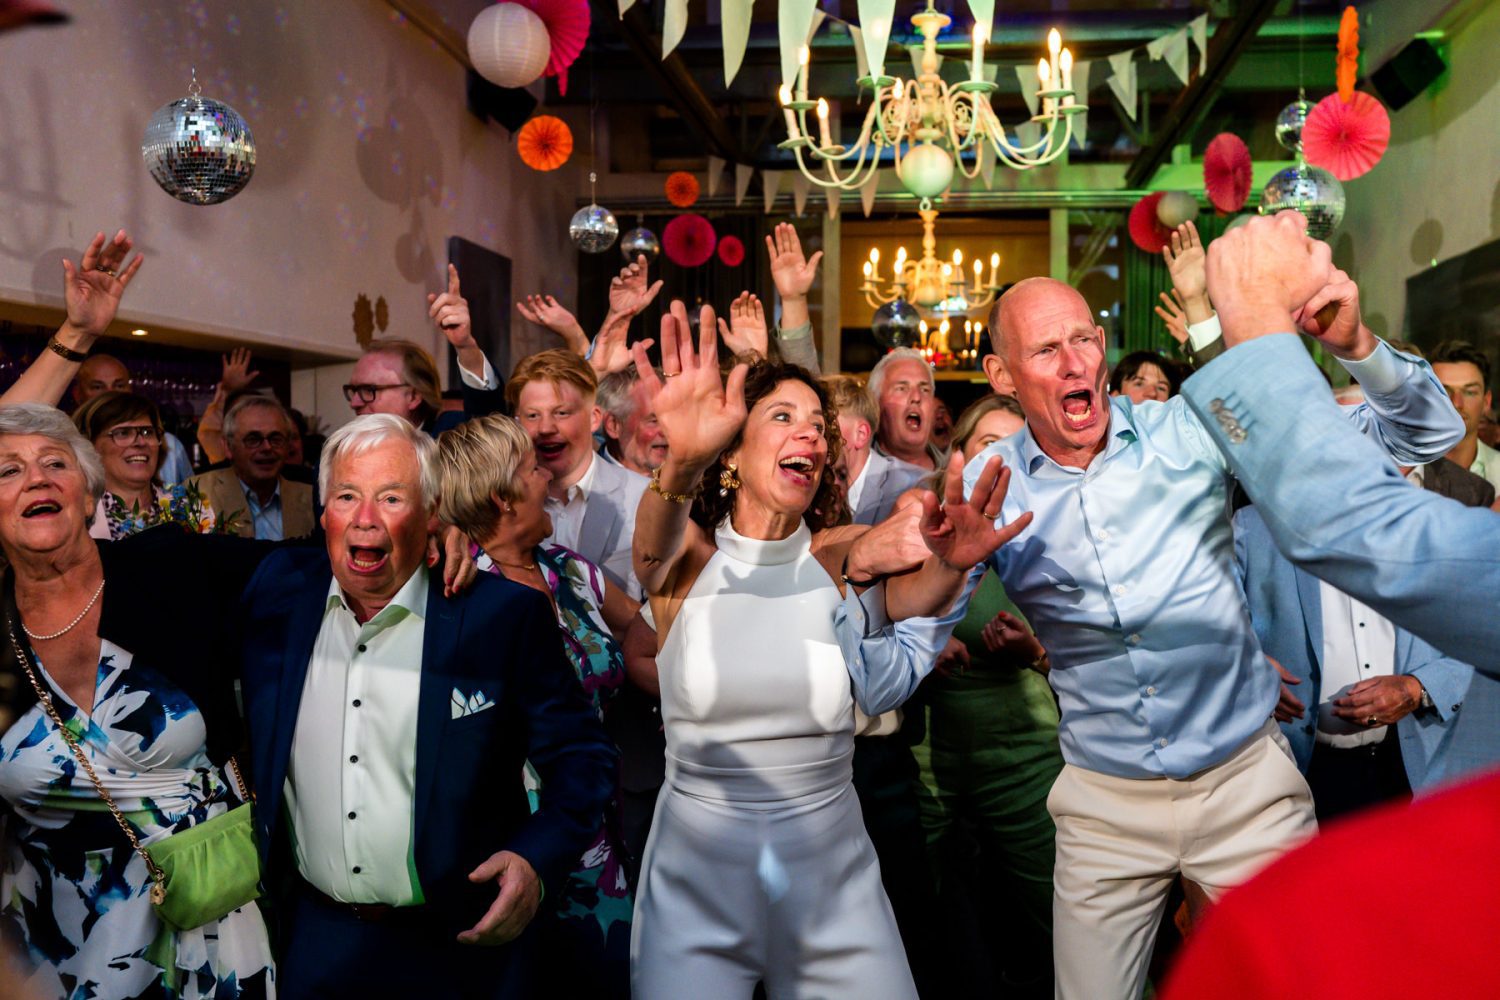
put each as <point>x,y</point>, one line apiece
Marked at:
<point>593,229</point>
<point>1311,190</point>
<point>640,242</point>
<point>199,150</point>
<point>1289,124</point>
<point>897,324</point>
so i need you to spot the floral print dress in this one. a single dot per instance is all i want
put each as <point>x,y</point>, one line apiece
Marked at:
<point>180,504</point>
<point>73,892</point>
<point>597,898</point>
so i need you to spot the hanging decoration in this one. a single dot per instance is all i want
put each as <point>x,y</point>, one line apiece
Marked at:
<point>689,240</point>
<point>567,24</point>
<point>1175,208</point>
<point>682,189</point>
<point>731,251</point>
<point>544,143</point>
<point>199,150</point>
<point>593,229</point>
<point>509,45</point>
<point>897,324</point>
<point>1227,172</point>
<point>1146,230</point>
<point>640,242</point>
<point>714,175</point>
<point>1347,138</point>
<point>1289,123</point>
<point>1311,190</point>
<point>1347,67</point>
<point>734,17</point>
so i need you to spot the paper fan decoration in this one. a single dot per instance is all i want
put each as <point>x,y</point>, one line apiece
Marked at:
<point>567,24</point>
<point>545,143</point>
<point>731,251</point>
<point>1226,172</point>
<point>1348,61</point>
<point>1346,139</point>
<point>1146,231</point>
<point>688,240</point>
<point>682,189</point>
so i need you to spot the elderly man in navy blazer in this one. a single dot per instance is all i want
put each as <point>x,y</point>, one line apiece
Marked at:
<point>390,722</point>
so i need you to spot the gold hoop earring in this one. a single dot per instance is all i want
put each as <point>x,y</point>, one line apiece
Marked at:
<point>728,480</point>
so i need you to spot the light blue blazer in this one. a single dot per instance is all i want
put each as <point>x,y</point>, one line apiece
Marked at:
<point>1336,507</point>
<point>1459,734</point>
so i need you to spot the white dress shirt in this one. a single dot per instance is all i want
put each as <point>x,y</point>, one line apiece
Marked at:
<point>857,487</point>
<point>567,513</point>
<point>1357,644</point>
<point>350,786</point>
<point>1486,464</point>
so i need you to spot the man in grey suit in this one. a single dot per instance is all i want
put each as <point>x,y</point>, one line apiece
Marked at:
<point>592,502</point>
<point>874,480</point>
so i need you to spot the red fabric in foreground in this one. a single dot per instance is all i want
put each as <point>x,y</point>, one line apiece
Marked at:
<point>1401,903</point>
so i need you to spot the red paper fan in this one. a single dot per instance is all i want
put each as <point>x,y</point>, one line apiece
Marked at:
<point>1226,172</point>
<point>567,24</point>
<point>682,189</point>
<point>1346,139</point>
<point>1145,229</point>
<point>731,251</point>
<point>688,240</point>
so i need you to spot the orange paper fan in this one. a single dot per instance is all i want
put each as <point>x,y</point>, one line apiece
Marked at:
<point>1348,61</point>
<point>545,143</point>
<point>682,189</point>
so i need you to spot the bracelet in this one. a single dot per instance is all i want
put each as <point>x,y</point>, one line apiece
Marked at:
<point>1039,663</point>
<point>656,487</point>
<point>844,575</point>
<point>66,353</point>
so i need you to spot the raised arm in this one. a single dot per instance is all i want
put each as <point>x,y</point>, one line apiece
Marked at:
<point>545,312</point>
<point>91,291</point>
<point>793,274</point>
<point>236,377</point>
<point>629,294</point>
<point>700,413</point>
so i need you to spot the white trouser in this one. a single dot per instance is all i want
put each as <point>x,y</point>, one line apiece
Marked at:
<point>1121,841</point>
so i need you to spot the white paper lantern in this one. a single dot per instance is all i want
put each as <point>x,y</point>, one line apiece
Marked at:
<point>1175,208</point>
<point>509,45</point>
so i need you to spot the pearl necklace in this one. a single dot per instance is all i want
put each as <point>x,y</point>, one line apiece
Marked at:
<point>71,625</point>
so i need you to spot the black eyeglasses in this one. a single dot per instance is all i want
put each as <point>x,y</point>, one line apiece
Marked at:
<point>367,393</point>
<point>124,437</point>
<point>255,439</point>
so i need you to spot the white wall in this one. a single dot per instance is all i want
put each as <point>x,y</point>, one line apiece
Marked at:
<point>367,162</point>
<point>1436,194</point>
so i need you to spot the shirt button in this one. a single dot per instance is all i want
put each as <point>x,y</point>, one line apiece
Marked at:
<point>355,869</point>
<point>1103,534</point>
<point>351,815</point>
<point>1134,639</point>
<point>1162,742</point>
<point>1151,691</point>
<point>361,647</point>
<point>356,702</point>
<point>1119,590</point>
<point>354,758</point>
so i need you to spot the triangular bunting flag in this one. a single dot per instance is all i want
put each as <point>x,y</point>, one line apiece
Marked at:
<point>1199,28</point>
<point>1122,80</point>
<point>673,24</point>
<point>770,186</point>
<point>1027,75</point>
<point>735,28</point>
<point>800,186</point>
<point>626,5</point>
<point>861,60</point>
<point>1174,51</point>
<point>1080,122</point>
<point>987,163</point>
<point>793,18</point>
<point>984,13</point>
<point>867,192</point>
<point>875,20</point>
<point>1028,134</point>
<point>715,174</point>
<point>742,175</point>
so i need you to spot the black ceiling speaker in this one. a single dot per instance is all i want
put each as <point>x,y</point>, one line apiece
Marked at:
<point>1408,73</point>
<point>508,106</point>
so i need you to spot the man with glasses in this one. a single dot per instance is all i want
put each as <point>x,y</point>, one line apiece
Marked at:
<point>1465,373</point>
<point>268,505</point>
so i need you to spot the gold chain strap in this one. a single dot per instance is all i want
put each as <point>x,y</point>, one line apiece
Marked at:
<point>158,877</point>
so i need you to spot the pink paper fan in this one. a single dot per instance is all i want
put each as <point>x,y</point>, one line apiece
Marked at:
<point>1347,140</point>
<point>1226,172</point>
<point>731,251</point>
<point>688,240</point>
<point>567,24</point>
<point>1146,230</point>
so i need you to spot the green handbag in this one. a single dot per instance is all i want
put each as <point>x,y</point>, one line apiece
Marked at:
<point>200,874</point>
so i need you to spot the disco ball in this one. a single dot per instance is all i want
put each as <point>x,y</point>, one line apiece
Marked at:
<point>1311,190</point>
<point>1289,124</point>
<point>593,229</point>
<point>199,150</point>
<point>640,242</point>
<point>897,324</point>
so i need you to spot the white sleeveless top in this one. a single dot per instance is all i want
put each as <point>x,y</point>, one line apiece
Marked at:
<point>751,672</point>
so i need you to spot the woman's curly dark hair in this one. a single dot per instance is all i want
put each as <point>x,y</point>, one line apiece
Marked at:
<point>710,509</point>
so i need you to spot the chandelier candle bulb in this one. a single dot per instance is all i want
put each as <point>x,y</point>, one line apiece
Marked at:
<point>1054,43</point>
<point>1065,61</point>
<point>791,116</point>
<point>1044,82</point>
<point>803,56</point>
<point>976,67</point>
<point>823,135</point>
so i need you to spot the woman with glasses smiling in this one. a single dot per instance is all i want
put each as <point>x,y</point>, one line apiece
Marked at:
<point>126,430</point>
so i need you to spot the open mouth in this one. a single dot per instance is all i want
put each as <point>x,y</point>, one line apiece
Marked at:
<point>42,508</point>
<point>799,469</point>
<point>913,419</point>
<point>137,459</point>
<point>1078,407</point>
<point>364,559</point>
<point>551,449</point>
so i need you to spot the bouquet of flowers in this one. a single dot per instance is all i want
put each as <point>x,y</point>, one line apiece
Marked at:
<point>183,504</point>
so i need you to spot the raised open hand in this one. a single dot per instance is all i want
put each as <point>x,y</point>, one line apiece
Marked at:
<point>698,410</point>
<point>544,310</point>
<point>630,292</point>
<point>236,373</point>
<point>792,272</point>
<point>1172,314</point>
<point>450,311</point>
<point>1187,262</point>
<point>961,532</point>
<point>746,330</point>
<point>93,287</point>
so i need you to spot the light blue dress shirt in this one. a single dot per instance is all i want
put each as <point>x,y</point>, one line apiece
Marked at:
<point>1127,574</point>
<point>267,519</point>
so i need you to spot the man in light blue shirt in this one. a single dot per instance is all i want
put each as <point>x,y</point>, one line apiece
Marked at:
<point>1127,575</point>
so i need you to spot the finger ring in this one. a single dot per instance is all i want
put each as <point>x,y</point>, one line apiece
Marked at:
<point>670,374</point>
<point>1373,720</point>
<point>107,270</point>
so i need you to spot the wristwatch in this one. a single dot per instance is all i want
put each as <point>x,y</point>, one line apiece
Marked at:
<point>1426,699</point>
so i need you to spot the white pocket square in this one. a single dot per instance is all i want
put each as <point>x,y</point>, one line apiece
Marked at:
<point>471,705</point>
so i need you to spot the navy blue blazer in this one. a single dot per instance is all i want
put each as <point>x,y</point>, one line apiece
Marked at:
<point>497,637</point>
